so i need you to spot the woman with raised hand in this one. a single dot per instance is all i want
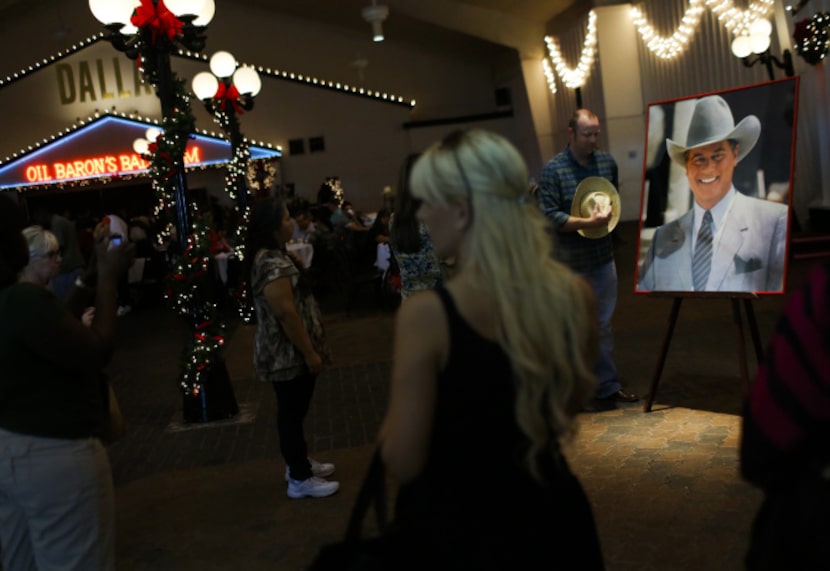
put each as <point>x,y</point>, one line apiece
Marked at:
<point>488,373</point>
<point>56,493</point>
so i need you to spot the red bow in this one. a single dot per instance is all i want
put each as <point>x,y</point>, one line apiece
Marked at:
<point>228,96</point>
<point>159,19</point>
<point>801,31</point>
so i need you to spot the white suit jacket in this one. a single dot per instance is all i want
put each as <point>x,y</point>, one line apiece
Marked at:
<point>750,255</point>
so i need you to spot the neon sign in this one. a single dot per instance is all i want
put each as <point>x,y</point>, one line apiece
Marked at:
<point>102,149</point>
<point>106,165</point>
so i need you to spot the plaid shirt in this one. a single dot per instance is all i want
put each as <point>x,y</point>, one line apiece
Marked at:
<point>557,187</point>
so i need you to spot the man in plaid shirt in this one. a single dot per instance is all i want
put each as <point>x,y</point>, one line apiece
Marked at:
<point>591,258</point>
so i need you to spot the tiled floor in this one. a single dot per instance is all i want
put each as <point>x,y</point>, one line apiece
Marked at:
<point>664,485</point>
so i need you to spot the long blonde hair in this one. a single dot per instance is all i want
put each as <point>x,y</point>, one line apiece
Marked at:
<point>544,315</point>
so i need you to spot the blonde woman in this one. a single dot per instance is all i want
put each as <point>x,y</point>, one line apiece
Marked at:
<point>44,256</point>
<point>489,371</point>
<point>45,262</point>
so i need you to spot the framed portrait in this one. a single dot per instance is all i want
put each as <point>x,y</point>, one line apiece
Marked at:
<point>717,191</point>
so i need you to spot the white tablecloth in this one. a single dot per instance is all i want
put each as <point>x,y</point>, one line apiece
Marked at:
<point>303,250</point>
<point>383,255</point>
<point>136,272</point>
<point>222,265</point>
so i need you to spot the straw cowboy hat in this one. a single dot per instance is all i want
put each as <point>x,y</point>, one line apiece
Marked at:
<point>712,122</point>
<point>596,190</point>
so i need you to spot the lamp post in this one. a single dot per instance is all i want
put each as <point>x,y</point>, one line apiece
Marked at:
<point>164,25</point>
<point>149,31</point>
<point>227,92</point>
<point>757,41</point>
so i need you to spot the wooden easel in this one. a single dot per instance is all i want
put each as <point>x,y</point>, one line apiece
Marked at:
<point>734,298</point>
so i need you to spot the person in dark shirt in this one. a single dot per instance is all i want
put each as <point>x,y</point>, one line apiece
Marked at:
<point>495,365</point>
<point>52,408</point>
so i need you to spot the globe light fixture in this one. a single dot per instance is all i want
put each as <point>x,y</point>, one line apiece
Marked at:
<point>185,7</point>
<point>152,134</point>
<point>227,92</point>
<point>756,41</point>
<point>247,81</point>
<point>204,85</point>
<point>112,11</point>
<point>742,46</point>
<point>222,64</point>
<point>141,146</point>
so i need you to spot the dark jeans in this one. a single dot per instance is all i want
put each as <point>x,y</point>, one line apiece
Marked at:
<point>293,402</point>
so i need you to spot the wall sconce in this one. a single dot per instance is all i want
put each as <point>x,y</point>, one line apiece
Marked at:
<point>757,41</point>
<point>375,15</point>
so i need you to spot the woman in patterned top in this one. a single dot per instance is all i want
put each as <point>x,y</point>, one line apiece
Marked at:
<point>409,241</point>
<point>290,347</point>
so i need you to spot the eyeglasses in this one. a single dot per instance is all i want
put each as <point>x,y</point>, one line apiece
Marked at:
<point>51,254</point>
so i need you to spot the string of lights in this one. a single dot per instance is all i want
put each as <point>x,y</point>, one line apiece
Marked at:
<point>674,45</point>
<point>305,79</point>
<point>812,37</point>
<point>735,20</point>
<point>96,115</point>
<point>315,82</point>
<point>551,79</point>
<point>577,76</point>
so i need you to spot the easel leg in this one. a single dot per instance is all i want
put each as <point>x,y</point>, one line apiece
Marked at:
<point>739,329</point>
<point>652,393</point>
<point>753,330</point>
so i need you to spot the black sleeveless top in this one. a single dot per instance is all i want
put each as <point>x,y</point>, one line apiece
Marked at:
<point>475,505</point>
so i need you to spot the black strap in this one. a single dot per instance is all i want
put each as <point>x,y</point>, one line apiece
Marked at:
<point>372,491</point>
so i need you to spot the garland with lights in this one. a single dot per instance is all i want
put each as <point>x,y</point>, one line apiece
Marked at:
<point>812,40</point>
<point>733,19</point>
<point>314,82</point>
<point>551,79</point>
<point>674,45</point>
<point>190,272</point>
<point>188,277</point>
<point>375,95</point>
<point>576,77</point>
<point>238,169</point>
<point>190,268</point>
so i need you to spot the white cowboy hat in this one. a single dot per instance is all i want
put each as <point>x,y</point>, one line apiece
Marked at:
<point>712,122</point>
<point>591,191</point>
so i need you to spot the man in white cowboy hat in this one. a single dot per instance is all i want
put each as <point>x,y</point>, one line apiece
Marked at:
<point>727,241</point>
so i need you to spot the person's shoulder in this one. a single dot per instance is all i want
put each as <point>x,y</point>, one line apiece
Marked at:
<point>420,310</point>
<point>31,300</point>
<point>669,237</point>
<point>266,256</point>
<point>761,204</point>
<point>559,159</point>
<point>604,158</point>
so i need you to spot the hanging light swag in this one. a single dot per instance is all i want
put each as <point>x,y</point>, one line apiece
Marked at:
<point>576,77</point>
<point>735,20</point>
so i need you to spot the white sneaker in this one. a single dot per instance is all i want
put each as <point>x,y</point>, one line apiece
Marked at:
<point>319,469</point>
<point>312,487</point>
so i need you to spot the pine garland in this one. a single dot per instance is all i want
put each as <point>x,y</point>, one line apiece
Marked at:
<point>189,279</point>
